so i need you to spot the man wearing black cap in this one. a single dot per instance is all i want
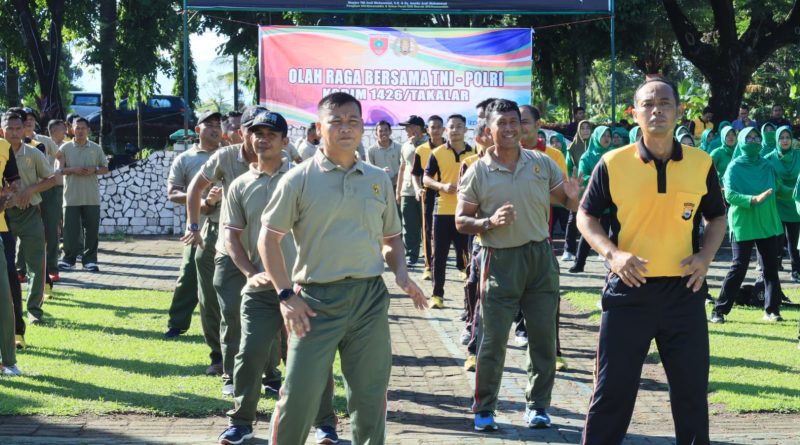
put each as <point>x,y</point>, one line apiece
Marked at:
<point>193,276</point>
<point>405,193</point>
<point>224,279</point>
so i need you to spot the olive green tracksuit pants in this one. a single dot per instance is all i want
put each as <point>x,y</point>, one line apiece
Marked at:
<point>26,224</point>
<point>228,283</point>
<point>51,217</point>
<point>206,295</point>
<point>524,277</point>
<point>261,325</point>
<point>184,297</point>
<point>8,348</point>
<point>81,222</point>
<point>352,317</point>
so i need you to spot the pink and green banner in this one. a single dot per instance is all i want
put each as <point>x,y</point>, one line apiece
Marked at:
<point>394,72</point>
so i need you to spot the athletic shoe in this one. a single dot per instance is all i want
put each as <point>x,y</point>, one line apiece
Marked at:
<point>174,333</point>
<point>11,371</point>
<point>464,315</point>
<point>236,434</point>
<point>772,317</point>
<point>484,421</point>
<point>464,274</point>
<point>709,299</point>
<point>91,267</point>
<point>272,387</point>
<point>326,435</point>
<point>795,276</point>
<point>567,256</point>
<point>561,364</point>
<point>227,386</point>
<point>537,418</point>
<point>54,277</point>
<point>23,278</point>
<point>426,275</point>
<point>716,318</point>
<point>214,369</point>
<point>19,340</point>
<point>63,265</point>
<point>576,269</point>
<point>466,336</point>
<point>436,302</point>
<point>410,263</point>
<point>79,258</point>
<point>469,363</point>
<point>33,320</point>
<point>521,339</point>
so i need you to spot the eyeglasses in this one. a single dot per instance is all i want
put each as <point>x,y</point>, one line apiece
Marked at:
<point>754,138</point>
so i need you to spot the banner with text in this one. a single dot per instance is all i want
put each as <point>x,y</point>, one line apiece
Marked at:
<point>393,72</point>
<point>418,6</point>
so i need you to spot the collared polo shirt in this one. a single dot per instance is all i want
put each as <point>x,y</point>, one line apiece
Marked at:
<point>244,204</point>
<point>444,166</point>
<point>409,153</point>
<point>82,190</point>
<point>225,165</point>
<point>489,185</point>
<point>656,205</point>
<point>185,167</point>
<point>33,167</point>
<point>339,219</point>
<point>51,148</point>
<point>388,157</point>
<point>8,168</point>
<point>557,157</point>
<point>306,149</point>
<point>422,155</point>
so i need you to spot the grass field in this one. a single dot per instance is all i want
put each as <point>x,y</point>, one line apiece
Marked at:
<point>103,352</point>
<point>755,365</point>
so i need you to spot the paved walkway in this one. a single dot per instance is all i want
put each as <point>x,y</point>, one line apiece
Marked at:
<point>429,393</point>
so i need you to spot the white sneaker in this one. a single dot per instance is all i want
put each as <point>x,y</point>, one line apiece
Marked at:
<point>11,371</point>
<point>567,256</point>
<point>227,389</point>
<point>521,340</point>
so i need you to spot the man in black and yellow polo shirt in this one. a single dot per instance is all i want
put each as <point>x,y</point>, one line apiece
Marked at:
<point>442,175</point>
<point>427,196</point>
<point>658,190</point>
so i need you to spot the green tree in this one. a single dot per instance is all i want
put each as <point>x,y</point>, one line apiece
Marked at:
<point>177,69</point>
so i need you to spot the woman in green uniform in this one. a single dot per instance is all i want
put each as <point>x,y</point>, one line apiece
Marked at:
<point>786,163</point>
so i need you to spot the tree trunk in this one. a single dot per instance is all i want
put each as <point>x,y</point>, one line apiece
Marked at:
<point>727,91</point>
<point>12,83</point>
<point>108,73</point>
<point>582,80</point>
<point>236,82</point>
<point>139,106</point>
<point>45,55</point>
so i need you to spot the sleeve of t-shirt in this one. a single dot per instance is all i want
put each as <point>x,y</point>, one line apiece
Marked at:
<point>292,151</point>
<point>211,170</point>
<point>102,159</point>
<point>556,174</point>
<point>597,197</point>
<point>283,208</point>
<point>11,172</point>
<point>371,156</point>
<point>232,214</point>
<point>712,204</point>
<point>43,168</point>
<point>391,217</point>
<point>417,170</point>
<point>176,173</point>
<point>432,170</point>
<point>468,186</point>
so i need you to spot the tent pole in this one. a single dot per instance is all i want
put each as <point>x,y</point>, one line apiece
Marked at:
<point>185,69</point>
<point>613,69</point>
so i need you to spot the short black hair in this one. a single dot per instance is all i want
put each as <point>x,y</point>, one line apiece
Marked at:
<point>777,105</point>
<point>744,106</point>
<point>234,113</point>
<point>485,103</point>
<point>10,115</point>
<point>311,127</point>
<point>382,122</point>
<point>80,119</point>
<point>663,80</point>
<point>437,118</point>
<point>458,116</point>
<point>579,109</point>
<point>338,99</point>
<point>501,106</point>
<point>707,110</point>
<point>54,122</point>
<point>480,127</point>
<point>534,111</point>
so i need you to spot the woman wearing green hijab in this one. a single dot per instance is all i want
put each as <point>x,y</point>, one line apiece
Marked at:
<point>707,139</point>
<point>557,141</point>
<point>723,155</point>
<point>574,153</point>
<point>786,163</point>
<point>619,137</point>
<point>599,144</point>
<point>686,139</point>
<point>750,183</point>
<point>681,131</point>
<point>724,124</point>
<point>768,144</point>
<point>634,134</point>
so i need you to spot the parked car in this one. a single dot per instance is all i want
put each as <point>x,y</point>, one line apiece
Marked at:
<point>85,103</point>
<point>161,116</point>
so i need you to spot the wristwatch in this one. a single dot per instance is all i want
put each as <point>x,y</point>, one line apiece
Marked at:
<point>285,294</point>
<point>486,224</point>
<point>194,227</point>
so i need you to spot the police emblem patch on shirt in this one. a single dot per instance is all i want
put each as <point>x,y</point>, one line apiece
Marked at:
<point>376,188</point>
<point>688,209</point>
<point>536,169</point>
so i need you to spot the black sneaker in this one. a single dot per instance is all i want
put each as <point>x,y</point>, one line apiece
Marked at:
<point>63,265</point>
<point>716,318</point>
<point>272,387</point>
<point>174,333</point>
<point>464,315</point>
<point>576,269</point>
<point>236,434</point>
<point>215,368</point>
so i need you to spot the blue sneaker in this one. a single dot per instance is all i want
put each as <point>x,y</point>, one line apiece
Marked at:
<point>537,418</point>
<point>326,435</point>
<point>484,421</point>
<point>236,434</point>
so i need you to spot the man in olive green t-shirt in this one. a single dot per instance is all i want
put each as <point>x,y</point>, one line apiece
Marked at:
<point>335,206</point>
<point>82,161</point>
